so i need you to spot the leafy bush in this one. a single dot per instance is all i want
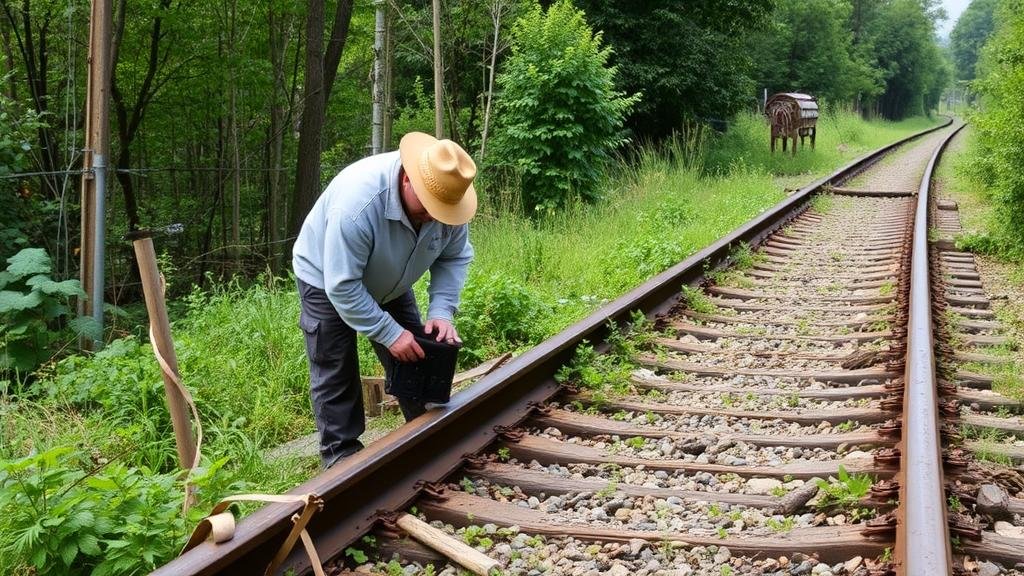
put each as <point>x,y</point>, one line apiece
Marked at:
<point>16,132</point>
<point>30,303</point>
<point>61,513</point>
<point>558,116</point>
<point>497,314</point>
<point>999,127</point>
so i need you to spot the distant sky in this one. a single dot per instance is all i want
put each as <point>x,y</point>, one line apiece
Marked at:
<point>953,8</point>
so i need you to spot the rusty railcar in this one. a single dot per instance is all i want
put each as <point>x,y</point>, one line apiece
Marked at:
<point>792,114</point>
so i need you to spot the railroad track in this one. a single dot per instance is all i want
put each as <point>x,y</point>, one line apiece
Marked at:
<point>784,413</point>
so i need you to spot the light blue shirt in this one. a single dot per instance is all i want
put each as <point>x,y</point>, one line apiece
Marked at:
<point>358,245</point>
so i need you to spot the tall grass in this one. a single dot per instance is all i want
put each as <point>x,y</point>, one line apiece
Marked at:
<point>841,136</point>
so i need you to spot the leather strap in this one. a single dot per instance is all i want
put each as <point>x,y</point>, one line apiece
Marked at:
<point>219,527</point>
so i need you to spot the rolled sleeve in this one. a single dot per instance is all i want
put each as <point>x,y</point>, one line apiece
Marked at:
<point>347,245</point>
<point>448,275</point>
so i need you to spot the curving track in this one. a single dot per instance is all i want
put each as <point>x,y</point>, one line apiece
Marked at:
<point>782,418</point>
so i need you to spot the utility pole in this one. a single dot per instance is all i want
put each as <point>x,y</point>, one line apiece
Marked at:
<point>438,92</point>
<point>94,167</point>
<point>377,139</point>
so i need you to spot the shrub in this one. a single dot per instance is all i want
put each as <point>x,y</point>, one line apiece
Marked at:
<point>31,303</point>
<point>559,116</point>
<point>61,513</point>
<point>999,127</point>
<point>498,314</point>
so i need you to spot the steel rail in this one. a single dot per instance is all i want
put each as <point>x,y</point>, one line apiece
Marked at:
<point>922,532</point>
<point>389,473</point>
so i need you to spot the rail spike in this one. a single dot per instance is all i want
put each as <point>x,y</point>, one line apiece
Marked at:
<point>881,526</point>
<point>965,526</point>
<point>891,428</point>
<point>475,461</point>
<point>435,491</point>
<point>541,408</point>
<point>958,458</point>
<point>885,490</point>
<point>510,433</point>
<point>887,456</point>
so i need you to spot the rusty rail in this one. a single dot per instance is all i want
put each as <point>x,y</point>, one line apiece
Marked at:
<point>922,535</point>
<point>389,474</point>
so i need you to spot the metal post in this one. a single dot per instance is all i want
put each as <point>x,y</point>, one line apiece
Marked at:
<point>97,144</point>
<point>99,167</point>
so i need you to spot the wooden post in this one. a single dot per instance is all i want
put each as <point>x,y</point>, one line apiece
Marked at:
<point>160,329</point>
<point>438,77</point>
<point>97,144</point>
<point>453,549</point>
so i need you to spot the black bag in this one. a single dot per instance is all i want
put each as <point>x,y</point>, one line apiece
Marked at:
<point>428,380</point>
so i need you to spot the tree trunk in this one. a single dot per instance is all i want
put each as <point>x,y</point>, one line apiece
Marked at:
<point>320,73</point>
<point>33,52</point>
<point>130,119</point>
<point>377,136</point>
<point>497,8</point>
<point>438,76</point>
<point>5,43</point>
<point>307,173</point>
<point>236,167</point>
<point>275,139</point>
<point>389,95</point>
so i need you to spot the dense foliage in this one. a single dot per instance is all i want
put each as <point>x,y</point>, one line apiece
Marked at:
<point>972,30</point>
<point>879,57</point>
<point>687,59</point>
<point>31,303</point>
<point>808,47</point>
<point>559,117</point>
<point>1000,123</point>
<point>208,99</point>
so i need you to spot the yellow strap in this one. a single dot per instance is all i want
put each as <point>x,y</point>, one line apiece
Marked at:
<point>170,373</point>
<point>219,526</point>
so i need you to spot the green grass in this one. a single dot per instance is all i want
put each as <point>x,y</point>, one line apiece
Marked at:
<point>242,355</point>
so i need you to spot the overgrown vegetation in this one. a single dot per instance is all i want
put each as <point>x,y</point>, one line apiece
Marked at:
<point>559,117</point>
<point>999,149</point>
<point>845,493</point>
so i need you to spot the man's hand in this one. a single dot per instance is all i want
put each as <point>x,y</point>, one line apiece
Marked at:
<point>406,349</point>
<point>445,331</point>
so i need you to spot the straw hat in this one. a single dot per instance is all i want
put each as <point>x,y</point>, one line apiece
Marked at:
<point>442,175</point>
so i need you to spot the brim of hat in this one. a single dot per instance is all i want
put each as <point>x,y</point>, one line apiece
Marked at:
<point>410,149</point>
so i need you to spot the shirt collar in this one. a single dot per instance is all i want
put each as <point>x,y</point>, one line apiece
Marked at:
<point>393,209</point>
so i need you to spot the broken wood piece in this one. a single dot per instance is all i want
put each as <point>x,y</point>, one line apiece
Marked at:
<point>796,499</point>
<point>456,551</point>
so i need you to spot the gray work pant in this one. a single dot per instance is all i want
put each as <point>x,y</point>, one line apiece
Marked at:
<point>334,385</point>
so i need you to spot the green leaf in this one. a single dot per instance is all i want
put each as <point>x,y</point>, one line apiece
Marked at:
<point>11,301</point>
<point>29,261</point>
<point>68,552</point>
<point>6,278</point>
<point>86,326</point>
<point>50,286</point>
<point>89,544</point>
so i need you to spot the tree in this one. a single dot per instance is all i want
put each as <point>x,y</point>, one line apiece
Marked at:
<point>688,59</point>
<point>971,32</point>
<point>321,69</point>
<point>808,47</point>
<point>998,124</point>
<point>908,55</point>
<point>559,116</point>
